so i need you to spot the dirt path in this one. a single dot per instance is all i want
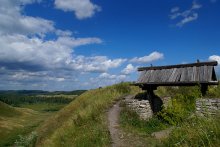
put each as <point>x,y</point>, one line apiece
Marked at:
<point>118,136</point>
<point>113,119</point>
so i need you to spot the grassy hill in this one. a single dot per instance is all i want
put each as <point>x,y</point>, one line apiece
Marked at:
<point>83,121</point>
<point>22,120</point>
<point>8,111</point>
<point>15,121</point>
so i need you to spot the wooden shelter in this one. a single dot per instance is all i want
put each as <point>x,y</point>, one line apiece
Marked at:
<point>202,73</point>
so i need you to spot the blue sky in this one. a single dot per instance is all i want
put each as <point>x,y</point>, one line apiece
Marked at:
<point>83,44</point>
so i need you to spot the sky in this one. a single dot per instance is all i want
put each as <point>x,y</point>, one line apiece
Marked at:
<point>84,44</point>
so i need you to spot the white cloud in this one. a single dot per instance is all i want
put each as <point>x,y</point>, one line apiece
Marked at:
<point>174,9</point>
<point>12,21</point>
<point>185,20</point>
<point>215,58</point>
<point>95,63</point>
<point>29,60</point>
<point>35,52</point>
<point>128,69</point>
<point>82,8</point>
<point>149,58</point>
<point>186,16</point>
<point>105,79</point>
<point>107,76</point>
<point>63,33</point>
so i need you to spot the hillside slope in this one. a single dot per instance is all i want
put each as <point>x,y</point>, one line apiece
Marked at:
<point>83,121</point>
<point>7,110</point>
<point>15,121</point>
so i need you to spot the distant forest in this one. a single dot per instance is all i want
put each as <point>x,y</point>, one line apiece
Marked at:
<point>17,97</point>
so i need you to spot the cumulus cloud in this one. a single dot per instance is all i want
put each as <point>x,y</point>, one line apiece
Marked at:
<point>215,58</point>
<point>149,58</point>
<point>29,60</point>
<point>105,79</point>
<point>128,69</point>
<point>22,52</point>
<point>186,16</point>
<point>12,21</point>
<point>82,8</point>
<point>96,63</point>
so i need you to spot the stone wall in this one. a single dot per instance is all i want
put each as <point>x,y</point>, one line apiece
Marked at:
<point>207,106</point>
<point>145,108</point>
<point>141,107</point>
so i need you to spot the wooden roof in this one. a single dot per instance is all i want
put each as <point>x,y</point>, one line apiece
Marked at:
<point>182,74</point>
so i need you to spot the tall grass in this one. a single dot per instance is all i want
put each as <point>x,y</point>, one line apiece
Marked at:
<point>196,131</point>
<point>130,120</point>
<point>213,92</point>
<point>83,121</point>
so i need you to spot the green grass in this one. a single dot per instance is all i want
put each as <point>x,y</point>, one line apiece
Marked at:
<point>196,131</point>
<point>8,111</point>
<point>188,129</point>
<point>130,120</point>
<point>213,92</point>
<point>83,121</point>
<point>15,121</point>
<point>44,107</point>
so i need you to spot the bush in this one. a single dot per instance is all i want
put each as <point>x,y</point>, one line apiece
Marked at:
<point>178,109</point>
<point>213,92</point>
<point>181,105</point>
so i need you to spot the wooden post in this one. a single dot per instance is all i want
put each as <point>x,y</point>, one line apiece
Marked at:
<point>204,88</point>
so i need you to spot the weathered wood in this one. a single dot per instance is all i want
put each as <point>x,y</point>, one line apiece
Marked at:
<point>209,73</point>
<point>177,83</point>
<point>213,63</point>
<point>178,75</point>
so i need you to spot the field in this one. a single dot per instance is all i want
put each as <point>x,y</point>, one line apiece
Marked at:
<point>30,112</point>
<point>66,120</point>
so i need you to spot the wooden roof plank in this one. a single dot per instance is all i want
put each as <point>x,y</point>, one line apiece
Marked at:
<point>199,73</point>
<point>212,63</point>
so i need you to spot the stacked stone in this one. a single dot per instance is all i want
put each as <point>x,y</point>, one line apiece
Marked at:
<point>207,106</point>
<point>141,107</point>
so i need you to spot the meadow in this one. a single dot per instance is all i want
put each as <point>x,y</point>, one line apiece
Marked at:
<point>22,112</point>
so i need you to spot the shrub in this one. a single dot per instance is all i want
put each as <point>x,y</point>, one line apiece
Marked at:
<point>213,92</point>
<point>181,104</point>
